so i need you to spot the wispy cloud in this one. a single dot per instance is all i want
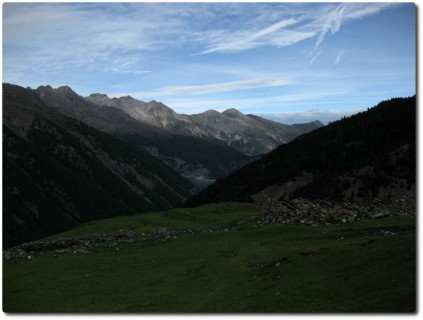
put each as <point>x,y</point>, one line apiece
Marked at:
<point>189,51</point>
<point>345,12</point>
<point>112,38</point>
<point>208,88</point>
<point>332,23</point>
<point>338,57</point>
<point>242,40</point>
<point>315,57</point>
<point>302,25</point>
<point>116,37</point>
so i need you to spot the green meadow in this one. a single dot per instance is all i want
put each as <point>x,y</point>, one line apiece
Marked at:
<point>238,267</point>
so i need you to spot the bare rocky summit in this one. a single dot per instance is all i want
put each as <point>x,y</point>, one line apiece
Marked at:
<point>249,134</point>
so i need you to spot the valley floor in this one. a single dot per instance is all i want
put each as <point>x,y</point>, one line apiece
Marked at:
<point>217,258</point>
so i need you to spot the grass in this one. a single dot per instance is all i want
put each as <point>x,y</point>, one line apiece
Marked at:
<point>344,268</point>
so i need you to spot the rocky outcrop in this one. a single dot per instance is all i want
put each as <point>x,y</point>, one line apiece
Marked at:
<point>73,245</point>
<point>324,213</point>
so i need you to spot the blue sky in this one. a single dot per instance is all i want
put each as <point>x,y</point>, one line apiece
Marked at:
<point>291,62</point>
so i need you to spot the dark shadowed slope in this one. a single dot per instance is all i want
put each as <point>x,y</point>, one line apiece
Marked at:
<point>58,172</point>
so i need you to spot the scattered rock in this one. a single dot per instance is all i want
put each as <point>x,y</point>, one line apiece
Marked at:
<point>325,213</point>
<point>74,245</point>
<point>385,233</point>
<point>278,262</point>
<point>379,215</point>
<point>163,234</point>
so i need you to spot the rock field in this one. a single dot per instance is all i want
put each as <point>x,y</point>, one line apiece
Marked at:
<point>324,212</point>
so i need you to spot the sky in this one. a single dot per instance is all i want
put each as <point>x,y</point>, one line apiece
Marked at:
<point>289,62</point>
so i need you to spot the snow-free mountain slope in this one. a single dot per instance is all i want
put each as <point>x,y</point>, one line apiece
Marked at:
<point>208,159</point>
<point>252,135</point>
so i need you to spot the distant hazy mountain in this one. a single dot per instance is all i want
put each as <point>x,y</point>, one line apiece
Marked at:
<point>249,134</point>
<point>58,172</point>
<point>186,154</point>
<point>370,154</point>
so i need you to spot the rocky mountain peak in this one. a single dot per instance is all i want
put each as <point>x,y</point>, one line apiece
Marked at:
<point>211,112</point>
<point>155,103</point>
<point>249,134</point>
<point>44,88</point>
<point>127,98</point>
<point>98,96</point>
<point>99,99</point>
<point>65,91</point>
<point>59,91</point>
<point>233,113</point>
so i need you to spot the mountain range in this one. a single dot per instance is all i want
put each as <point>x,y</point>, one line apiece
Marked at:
<point>207,159</point>
<point>193,145</point>
<point>69,159</point>
<point>250,134</point>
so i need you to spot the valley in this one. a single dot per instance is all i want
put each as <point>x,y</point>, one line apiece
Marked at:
<point>199,183</point>
<point>58,144</point>
<point>196,158</point>
<point>325,223</point>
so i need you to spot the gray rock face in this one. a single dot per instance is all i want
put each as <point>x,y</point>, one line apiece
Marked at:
<point>249,134</point>
<point>153,112</point>
<point>110,120</point>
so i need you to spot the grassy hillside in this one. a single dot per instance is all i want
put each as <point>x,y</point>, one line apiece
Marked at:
<point>219,259</point>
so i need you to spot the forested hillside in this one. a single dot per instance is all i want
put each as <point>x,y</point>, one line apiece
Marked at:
<point>366,155</point>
